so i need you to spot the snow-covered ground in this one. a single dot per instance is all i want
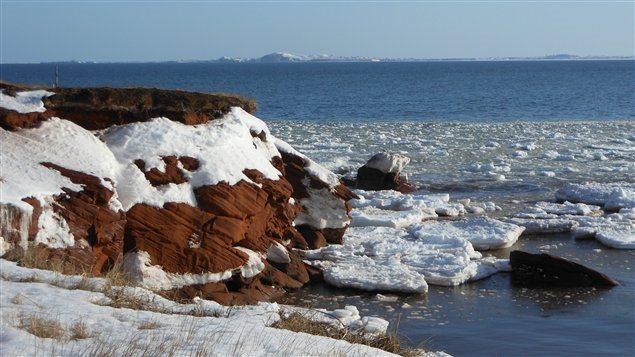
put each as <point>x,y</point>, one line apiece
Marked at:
<point>89,325</point>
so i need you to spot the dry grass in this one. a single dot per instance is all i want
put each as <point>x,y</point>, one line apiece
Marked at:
<point>17,299</point>
<point>41,326</point>
<point>149,325</point>
<point>39,258</point>
<point>117,277</point>
<point>388,342</point>
<point>79,331</point>
<point>119,299</point>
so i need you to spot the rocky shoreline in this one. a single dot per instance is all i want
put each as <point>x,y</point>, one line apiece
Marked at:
<point>192,197</point>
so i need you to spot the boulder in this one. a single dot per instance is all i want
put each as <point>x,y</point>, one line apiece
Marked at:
<point>548,270</point>
<point>382,172</point>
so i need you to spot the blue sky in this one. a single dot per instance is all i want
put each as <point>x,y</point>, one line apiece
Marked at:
<point>33,31</point>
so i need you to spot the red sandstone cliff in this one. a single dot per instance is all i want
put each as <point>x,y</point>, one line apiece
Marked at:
<point>189,191</point>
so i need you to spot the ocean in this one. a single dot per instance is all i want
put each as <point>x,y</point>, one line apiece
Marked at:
<point>419,91</point>
<point>507,132</point>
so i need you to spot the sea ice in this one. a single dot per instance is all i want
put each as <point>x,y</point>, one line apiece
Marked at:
<point>613,195</point>
<point>617,239</point>
<point>483,233</point>
<point>541,226</point>
<point>371,216</point>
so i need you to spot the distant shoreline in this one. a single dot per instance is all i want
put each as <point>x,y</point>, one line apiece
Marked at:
<point>382,60</point>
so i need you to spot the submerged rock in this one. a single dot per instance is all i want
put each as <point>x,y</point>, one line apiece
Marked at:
<point>548,270</point>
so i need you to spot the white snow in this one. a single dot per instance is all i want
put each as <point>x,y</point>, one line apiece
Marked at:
<point>322,209</point>
<point>311,167</point>
<point>483,233</point>
<point>60,142</point>
<point>388,162</point>
<point>53,230</point>
<point>224,148</point>
<point>25,102</point>
<point>184,329</point>
<point>277,253</point>
<point>153,277</point>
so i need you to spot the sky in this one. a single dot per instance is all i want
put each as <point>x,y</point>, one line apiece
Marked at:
<point>117,30</point>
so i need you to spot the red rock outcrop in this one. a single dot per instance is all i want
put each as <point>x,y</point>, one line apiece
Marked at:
<point>101,108</point>
<point>97,229</point>
<point>296,172</point>
<point>234,245</point>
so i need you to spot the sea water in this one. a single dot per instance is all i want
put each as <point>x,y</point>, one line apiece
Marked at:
<point>507,132</point>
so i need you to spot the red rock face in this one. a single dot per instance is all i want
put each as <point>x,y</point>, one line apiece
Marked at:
<point>98,230</point>
<point>182,239</point>
<point>296,173</point>
<point>172,174</point>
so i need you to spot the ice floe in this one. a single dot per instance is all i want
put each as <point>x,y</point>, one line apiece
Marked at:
<point>483,233</point>
<point>612,196</point>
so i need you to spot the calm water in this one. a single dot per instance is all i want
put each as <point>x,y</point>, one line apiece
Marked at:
<point>461,123</point>
<point>430,91</point>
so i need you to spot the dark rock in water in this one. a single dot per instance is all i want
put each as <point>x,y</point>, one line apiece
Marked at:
<point>382,172</point>
<point>548,270</point>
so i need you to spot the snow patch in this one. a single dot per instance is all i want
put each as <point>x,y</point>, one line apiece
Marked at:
<point>25,102</point>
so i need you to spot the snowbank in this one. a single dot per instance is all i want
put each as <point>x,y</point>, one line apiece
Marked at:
<point>181,329</point>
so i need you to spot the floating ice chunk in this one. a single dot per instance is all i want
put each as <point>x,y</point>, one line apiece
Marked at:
<point>450,210</point>
<point>495,176</point>
<point>617,239</point>
<point>490,167</point>
<point>550,154</point>
<point>499,264</point>
<point>374,274</point>
<point>483,271</point>
<point>396,201</point>
<point>566,208</point>
<point>541,226</point>
<point>547,173</point>
<point>475,209</point>
<point>620,198</point>
<point>381,297</point>
<point>520,153</point>
<point>483,233</point>
<point>589,227</point>
<point>388,162</point>
<point>25,102</point>
<point>375,325</point>
<point>599,156</point>
<point>371,216</point>
<point>617,195</point>
<point>394,259</point>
